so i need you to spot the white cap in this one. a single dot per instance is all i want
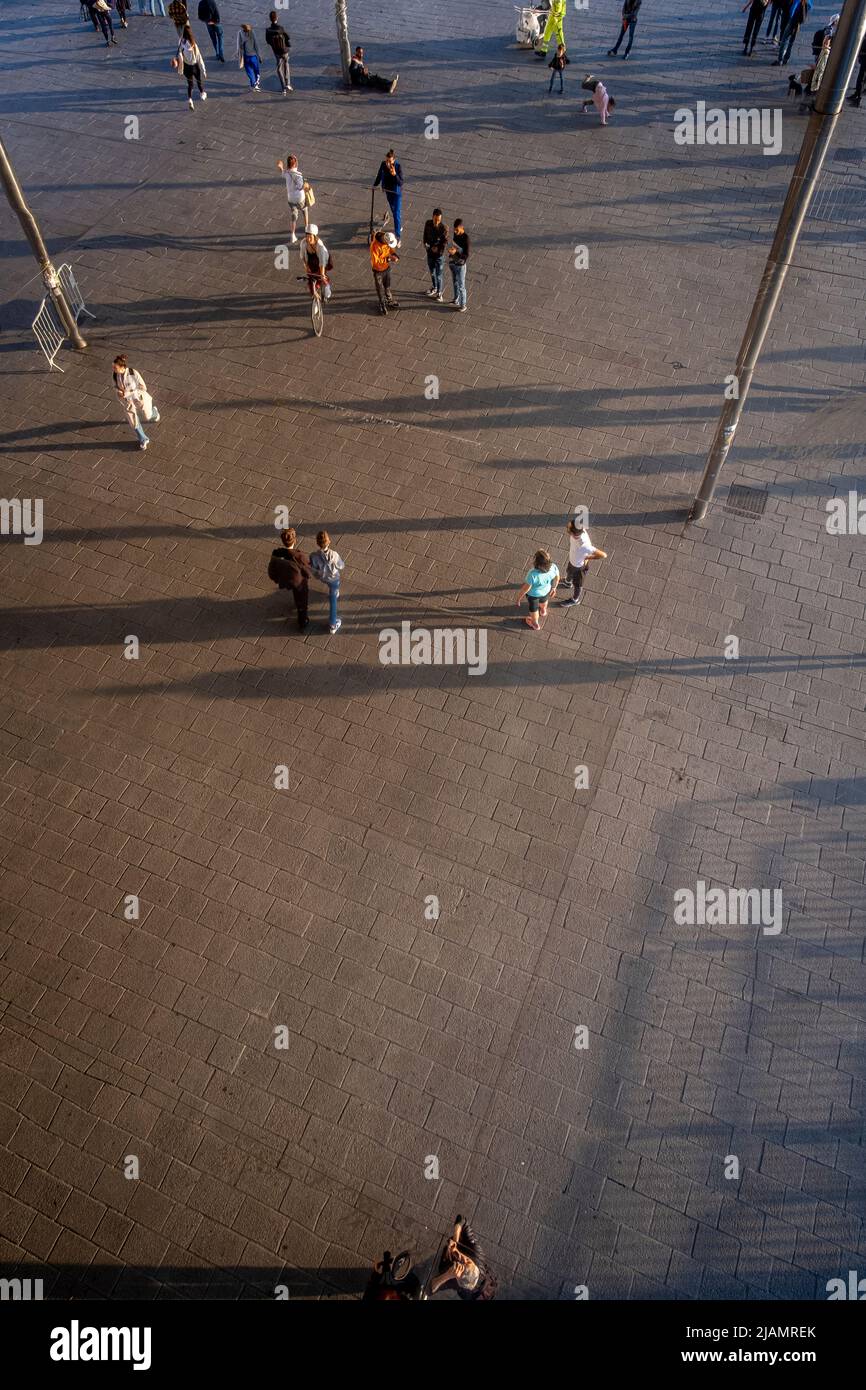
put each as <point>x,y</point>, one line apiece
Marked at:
<point>312,230</point>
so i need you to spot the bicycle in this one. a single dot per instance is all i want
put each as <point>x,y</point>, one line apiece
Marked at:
<point>317,310</point>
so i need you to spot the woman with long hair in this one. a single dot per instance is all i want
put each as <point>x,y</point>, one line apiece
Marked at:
<point>248,56</point>
<point>189,63</point>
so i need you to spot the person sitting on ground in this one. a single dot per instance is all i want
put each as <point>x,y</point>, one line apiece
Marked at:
<point>360,76</point>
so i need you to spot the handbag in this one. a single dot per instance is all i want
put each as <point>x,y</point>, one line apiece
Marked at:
<point>309,196</point>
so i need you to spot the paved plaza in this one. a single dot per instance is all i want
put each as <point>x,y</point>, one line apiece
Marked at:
<point>440,900</point>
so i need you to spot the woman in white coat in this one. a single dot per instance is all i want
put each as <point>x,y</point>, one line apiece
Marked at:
<point>137,400</point>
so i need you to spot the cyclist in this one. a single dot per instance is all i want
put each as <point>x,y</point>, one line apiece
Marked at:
<point>316,261</point>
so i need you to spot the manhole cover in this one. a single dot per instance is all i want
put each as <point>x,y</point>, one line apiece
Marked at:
<point>746,501</point>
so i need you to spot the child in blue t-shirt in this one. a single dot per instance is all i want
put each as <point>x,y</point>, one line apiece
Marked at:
<point>539,588</point>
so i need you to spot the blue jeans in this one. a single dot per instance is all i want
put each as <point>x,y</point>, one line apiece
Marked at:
<point>436,265</point>
<point>333,595</point>
<point>552,77</point>
<point>458,275</point>
<point>630,25</point>
<point>251,68</point>
<point>786,42</point>
<point>395,203</point>
<point>216,38</point>
<point>775,22</point>
<point>153,4</point>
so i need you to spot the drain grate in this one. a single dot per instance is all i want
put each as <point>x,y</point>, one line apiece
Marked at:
<point>746,501</point>
<point>841,197</point>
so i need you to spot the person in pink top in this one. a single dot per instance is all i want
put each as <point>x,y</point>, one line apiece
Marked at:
<point>601,99</point>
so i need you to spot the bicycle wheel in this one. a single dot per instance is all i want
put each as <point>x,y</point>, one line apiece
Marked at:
<point>317,314</point>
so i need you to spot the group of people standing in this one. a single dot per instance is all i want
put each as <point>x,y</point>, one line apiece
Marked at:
<point>541,583</point>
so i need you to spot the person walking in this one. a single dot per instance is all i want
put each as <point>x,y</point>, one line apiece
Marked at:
<point>553,28</point>
<point>629,24</point>
<point>435,242</point>
<point>360,75</point>
<point>248,57</point>
<point>101,10</point>
<point>178,14</point>
<point>327,567</point>
<point>757,9</point>
<point>296,191</point>
<point>137,401</point>
<point>390,176</point>
<point>778,9</point>
<point>796,16</point>
<point>558,63</point>
<point>208,13</point>
<point>857,94</point>
<point>603,102</point>
<point>464,1266</point>
<point>280,44</point>
<point>124,7</point>
<point>188,61</point>
<point>290,568</point>
<point>580,551</point>
<point>538,589</point>
<point>458,255</point>
<point>316,260</point>
<point>382,254</point>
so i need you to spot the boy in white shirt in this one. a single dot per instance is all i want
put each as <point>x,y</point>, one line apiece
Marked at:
<point>580,551</point>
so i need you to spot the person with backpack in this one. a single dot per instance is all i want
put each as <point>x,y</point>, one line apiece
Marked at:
<point>629,24</point>
<point>179,15</point>
<point>580,551</point>
<point>538,589</point>
<point>137,401</point>
<point>327,566</point>
<point>757,9</point>
<point>464,1266</point>
<point>290,568</point>
<point>558,63</point>
<point>796,16</point>
<point>390,176</point>
<point>188,61</point>
<point>208,13</point>
<point>280,44</point>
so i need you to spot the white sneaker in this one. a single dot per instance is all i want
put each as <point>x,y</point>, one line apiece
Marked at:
<point>294,239</point>
<point>204,96</point>
<point>290,89</point>
<point>336,626</point>
<point>191,104</point>
<point>143,443</point>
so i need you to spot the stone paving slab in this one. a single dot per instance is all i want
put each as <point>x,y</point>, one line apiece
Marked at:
<point>412,1038</point>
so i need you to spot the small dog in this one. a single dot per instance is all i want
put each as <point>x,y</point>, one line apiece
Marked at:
<point>795,88</point>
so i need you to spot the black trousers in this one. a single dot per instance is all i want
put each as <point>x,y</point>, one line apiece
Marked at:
<point>192,73</point>
<point>861,71</point>
<point>575,578</point>
<point>376,84</point>
<point>753,24</point>
<point>301,595</point>
<point>105,24</point>
<point>382,280</point>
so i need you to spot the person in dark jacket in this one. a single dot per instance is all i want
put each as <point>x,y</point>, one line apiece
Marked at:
<point>458,255</point>
<point>796,15</point>
<point>390,176</point>
<point>279,43</point>
<point>360,76</point>
<point>558,63</point>
<point>629,23</point>
<point>290,569</point>
<point>757,10</point>
<point>208,13</point>
<point>435,241</point>
<point>464,1266</point>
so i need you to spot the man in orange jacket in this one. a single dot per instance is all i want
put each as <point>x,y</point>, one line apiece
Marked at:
<point>382,254</point>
